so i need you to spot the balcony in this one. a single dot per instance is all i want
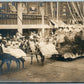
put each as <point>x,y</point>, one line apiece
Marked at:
<point>6,18</point>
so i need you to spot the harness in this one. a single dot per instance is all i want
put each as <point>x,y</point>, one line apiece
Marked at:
<point>1,50</point>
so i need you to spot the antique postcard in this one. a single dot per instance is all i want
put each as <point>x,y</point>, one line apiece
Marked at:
<point>41,41</point>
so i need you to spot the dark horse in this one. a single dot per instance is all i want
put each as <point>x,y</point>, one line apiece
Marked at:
<point>38,52</point>
<point>4,57</point>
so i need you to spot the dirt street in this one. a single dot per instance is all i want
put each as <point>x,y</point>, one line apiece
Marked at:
<point>51,71</point>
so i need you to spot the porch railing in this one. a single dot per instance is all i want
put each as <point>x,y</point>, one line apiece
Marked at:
<point>6,18</point>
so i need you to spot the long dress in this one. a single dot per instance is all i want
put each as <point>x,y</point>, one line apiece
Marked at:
<point>47,49</point>
<point>17,52</point>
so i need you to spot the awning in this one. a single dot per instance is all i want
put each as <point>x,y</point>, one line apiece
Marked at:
<point>58,24</point>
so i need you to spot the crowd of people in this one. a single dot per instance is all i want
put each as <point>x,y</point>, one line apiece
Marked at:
<point>19,41</point>
<point>60,35</point>
<point>29,43</point>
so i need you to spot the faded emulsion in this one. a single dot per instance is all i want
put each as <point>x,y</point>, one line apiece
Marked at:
<point>42,41</point>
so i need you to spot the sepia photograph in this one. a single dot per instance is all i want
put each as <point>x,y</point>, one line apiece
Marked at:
<point>42,41</point>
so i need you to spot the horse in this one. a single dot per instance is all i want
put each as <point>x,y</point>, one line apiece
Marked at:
<point>8,58</point>
<point>12,54</point>
<point>34,49</point>
<point>40,53</point>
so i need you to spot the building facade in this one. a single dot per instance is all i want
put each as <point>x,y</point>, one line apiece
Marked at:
<point>36,15</point>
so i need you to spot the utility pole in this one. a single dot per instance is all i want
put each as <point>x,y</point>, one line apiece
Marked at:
<point>83,23</point>
<point>43,23</point>
<point>57,12</point>
<point>52,9</point>
<point>42,13</point>
<point>83,14</point>
<point>19,19</point>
